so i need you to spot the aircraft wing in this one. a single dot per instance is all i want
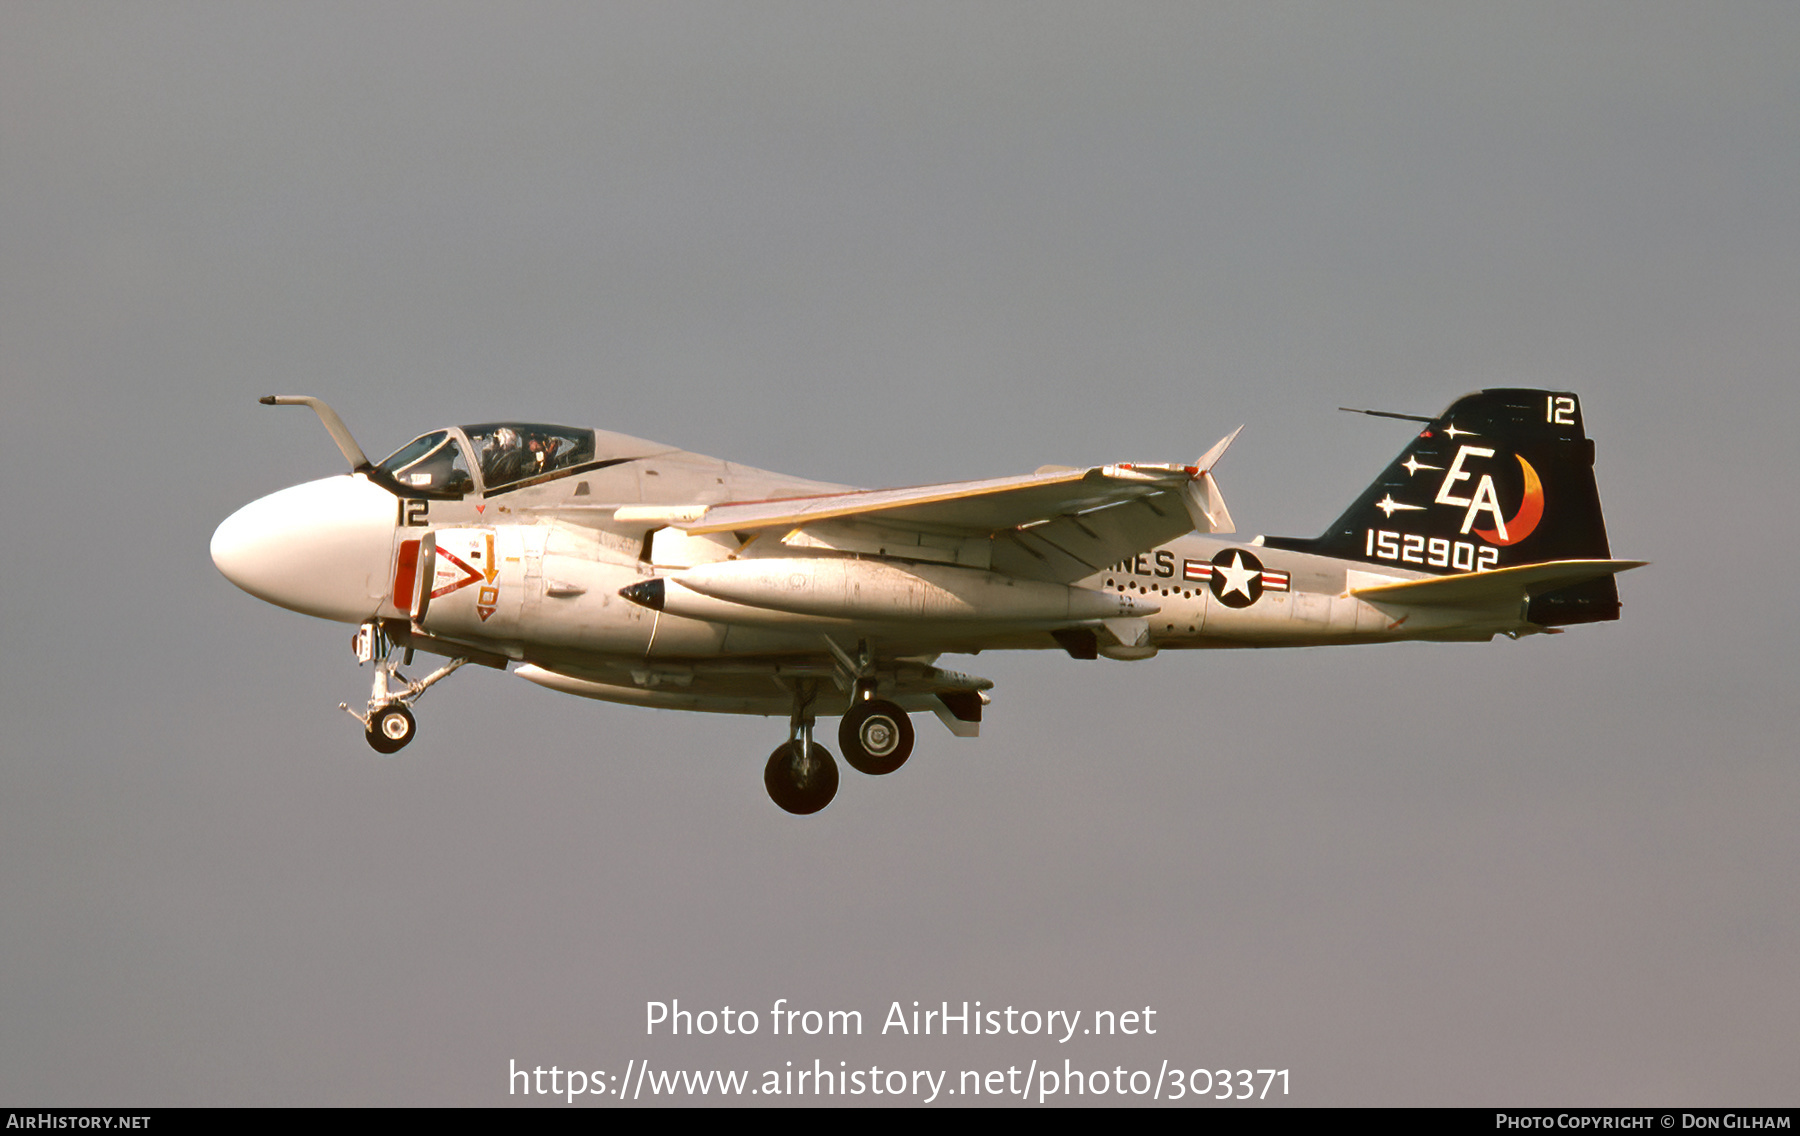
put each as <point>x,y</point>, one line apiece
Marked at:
<point>1057,524</point>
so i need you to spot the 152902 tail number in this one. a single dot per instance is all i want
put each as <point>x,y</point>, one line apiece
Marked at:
<point>1429,552</point>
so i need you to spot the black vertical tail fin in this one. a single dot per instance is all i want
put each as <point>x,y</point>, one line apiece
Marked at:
<point>1501,478</point>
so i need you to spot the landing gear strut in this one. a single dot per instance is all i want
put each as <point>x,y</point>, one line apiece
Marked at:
<point>388,723</point>
<point>801,777</point>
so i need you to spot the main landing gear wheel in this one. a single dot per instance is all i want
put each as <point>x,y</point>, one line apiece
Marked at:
<point>391,728</point>
<point>876,736</point>
<point>801,785</point>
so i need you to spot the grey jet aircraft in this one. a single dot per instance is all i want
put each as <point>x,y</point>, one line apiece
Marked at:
<point>618,569</point>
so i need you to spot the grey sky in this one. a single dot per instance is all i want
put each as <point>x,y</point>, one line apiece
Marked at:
<point>886,245</point>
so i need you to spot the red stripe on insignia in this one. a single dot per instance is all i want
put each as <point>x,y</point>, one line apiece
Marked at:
<point>1193,571</point>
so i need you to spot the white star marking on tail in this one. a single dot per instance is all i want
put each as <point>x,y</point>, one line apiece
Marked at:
<point>1388,504</point>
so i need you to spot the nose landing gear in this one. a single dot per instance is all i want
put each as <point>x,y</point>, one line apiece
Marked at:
<point>388,723</point>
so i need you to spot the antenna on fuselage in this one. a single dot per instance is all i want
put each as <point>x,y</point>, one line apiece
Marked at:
<point>334,425</point>
<point>1388,414</point>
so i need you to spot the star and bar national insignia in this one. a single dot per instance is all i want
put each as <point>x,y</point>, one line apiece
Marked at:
<point>1237,578</point>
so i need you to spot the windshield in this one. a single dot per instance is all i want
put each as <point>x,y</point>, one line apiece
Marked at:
<point>430,464</point>
<point>514,453</point>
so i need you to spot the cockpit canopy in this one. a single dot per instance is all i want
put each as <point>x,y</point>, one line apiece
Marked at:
<point>487,458</point>
<point>512,452</point>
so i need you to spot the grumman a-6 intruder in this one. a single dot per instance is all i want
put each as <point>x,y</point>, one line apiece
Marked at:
<point>622,570</point>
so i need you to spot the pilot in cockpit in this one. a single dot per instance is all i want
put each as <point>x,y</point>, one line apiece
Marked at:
<point>543,453</point>
<point>505,458</point>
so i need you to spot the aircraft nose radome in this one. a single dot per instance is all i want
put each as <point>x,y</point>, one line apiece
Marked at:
<point>324,548</point>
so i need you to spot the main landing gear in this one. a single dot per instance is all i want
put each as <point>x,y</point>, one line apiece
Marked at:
<point>875,735</point>
<point>801,784</point>
<point>801,777</point>
<point>388,723</point>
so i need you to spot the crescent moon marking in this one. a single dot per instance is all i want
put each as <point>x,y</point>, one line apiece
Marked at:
<point>1531,510</point>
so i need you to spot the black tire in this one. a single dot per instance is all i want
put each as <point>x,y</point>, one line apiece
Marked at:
<point>801,787</point>
<point>876,737</point>
<point>391,728</point>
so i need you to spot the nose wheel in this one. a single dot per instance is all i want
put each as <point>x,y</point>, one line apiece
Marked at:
<point>390,729</point>
<point>388,723</point>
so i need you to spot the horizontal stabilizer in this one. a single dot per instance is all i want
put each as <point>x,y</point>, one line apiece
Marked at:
<point>1496,588</point>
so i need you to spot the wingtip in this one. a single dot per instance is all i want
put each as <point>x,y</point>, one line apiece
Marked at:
<point>1212,456</point>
